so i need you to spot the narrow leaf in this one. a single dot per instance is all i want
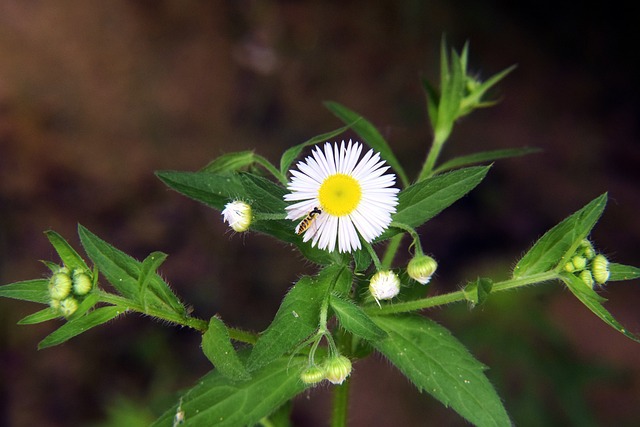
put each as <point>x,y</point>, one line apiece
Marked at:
<point>123,272</point>
<point>210,189</point>
<point>230,162</point>
<point>67,254</point>
<point>484,157</point>
<point>221,402</point>
<point>593,302</point>
<point>292,153</point>
<point>370,135</point>
<point>622,272</point>
<point>296,319</point>
<point>424,200</point>
<point>217,346</point>
<point>552,250</point>
<point>39,316</point>
<point>478,291</point>
<point>354,320</point>
<point>149,286</point>
<point>80,325</point>
<point>35,290</point>
<point>429,356</point>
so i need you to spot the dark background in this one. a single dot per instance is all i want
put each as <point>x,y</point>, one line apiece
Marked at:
<point>96,96</point>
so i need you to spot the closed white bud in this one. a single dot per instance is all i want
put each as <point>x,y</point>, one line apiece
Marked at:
<point>238,215</point>
<point>421,268</point>
<point>384,285</point>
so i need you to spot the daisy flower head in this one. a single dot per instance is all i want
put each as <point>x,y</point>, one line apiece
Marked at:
<point>341,197</point>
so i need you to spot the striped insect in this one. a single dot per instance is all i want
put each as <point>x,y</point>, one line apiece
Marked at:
<point>307,221</point>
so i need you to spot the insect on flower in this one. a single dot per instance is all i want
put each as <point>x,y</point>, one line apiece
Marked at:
<point>307,220</point>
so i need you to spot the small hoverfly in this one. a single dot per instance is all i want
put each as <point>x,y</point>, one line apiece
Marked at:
<point>307,221</point>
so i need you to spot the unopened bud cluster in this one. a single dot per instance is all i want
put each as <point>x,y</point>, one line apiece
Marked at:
<point>335,369</point>
<point>591,268</point>
<point>67,288</point>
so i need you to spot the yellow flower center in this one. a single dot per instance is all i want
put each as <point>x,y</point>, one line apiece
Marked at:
<point>339,195</point>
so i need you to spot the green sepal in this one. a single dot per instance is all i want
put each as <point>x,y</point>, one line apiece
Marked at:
<point>217,346</point>
<point>67,254</point>
<point>554,249</point>
<point>370,135</point>
<point>219,401</point>
<point>478,291</point>
<point>354,320</point>
<point>36,290</point>
<point>76,327</point>
<point>40,316</point>
<point>437,363</point>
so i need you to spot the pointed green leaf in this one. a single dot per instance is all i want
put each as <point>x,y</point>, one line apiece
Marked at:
<point>433,99</point>
<point>484,157</point>
<point>354,320</point>
<point>553,249</point>
<point>429,356</point>
<point>123,272</point>
<point>221,402</point>
<point>230,162</point>
<point>478,291</point>
<point>622,272</point>
<point>76,327</point>
<point>210,189</point>
<point>370,135</point>
<point>67,254</point>
<point>424,200</point>
<point>36,290</point>
<point>593,302</point>
<point>39,316</point>
<point>296,319</point>
<point>217,346</point>
<point>149,285</point>
<point>292,153</point>
<point>86,304</point>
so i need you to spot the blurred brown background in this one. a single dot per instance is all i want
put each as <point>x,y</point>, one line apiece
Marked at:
<point>95,96</point>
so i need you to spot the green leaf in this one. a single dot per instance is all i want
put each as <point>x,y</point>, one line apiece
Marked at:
<point>210,189</point>
<point>36,290</point>
<point>292,153</point>
<point>67,254</point>
<point>296,319</point>
<point>622,272</point>
<point>230,162</point>
<point>484,157</point>
<point>148,286</point>
<point>433,99</point>
<point>593,302</point>
<point>123,272</point>
<point>429,356</point>
<point>39,316</point>
<point>557,245</point>
<point>424,200</point>
<point>217,346</point>
<point>354,320</point>
<point>478,291</point>
<point>76,327</point>
<point>370,135</point>
<point>221,402</point>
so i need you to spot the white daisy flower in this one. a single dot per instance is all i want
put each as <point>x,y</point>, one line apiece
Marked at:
<point>340,197</point>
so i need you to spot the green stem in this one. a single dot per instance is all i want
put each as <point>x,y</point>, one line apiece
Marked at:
<point>374,256</point>
<point>456,296</point>
<point>272,169</point>
<point>340,404</point>
<point>434,152</point>
<point>391,251</point>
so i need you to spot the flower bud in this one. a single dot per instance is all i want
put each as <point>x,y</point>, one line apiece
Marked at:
<point>600,269</point>
<point>587,278</point>
<point>312,375</point>
<point>569,267</point>
<point>587,249</point>
<point>421,268</point>
<point>579,262</point>
<point>384,285</point>
<point>238,215</point>
<point>337,369</point>
<point>60,284</point>
<point>68,306</point>
<point>82,283</point>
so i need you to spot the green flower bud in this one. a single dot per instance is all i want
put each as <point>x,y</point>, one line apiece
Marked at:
<point>600,269</point>
<point>238,215</point>
<point>60,285</point>
<point>421,268</point>
<point>569,267</point>
<point>587,278</point>
<point>68,306</point>
<point>384,285</point>
<point>337,369</point>
<point>579,262</point>
<point>312,375</point>
<point>82,283</point>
